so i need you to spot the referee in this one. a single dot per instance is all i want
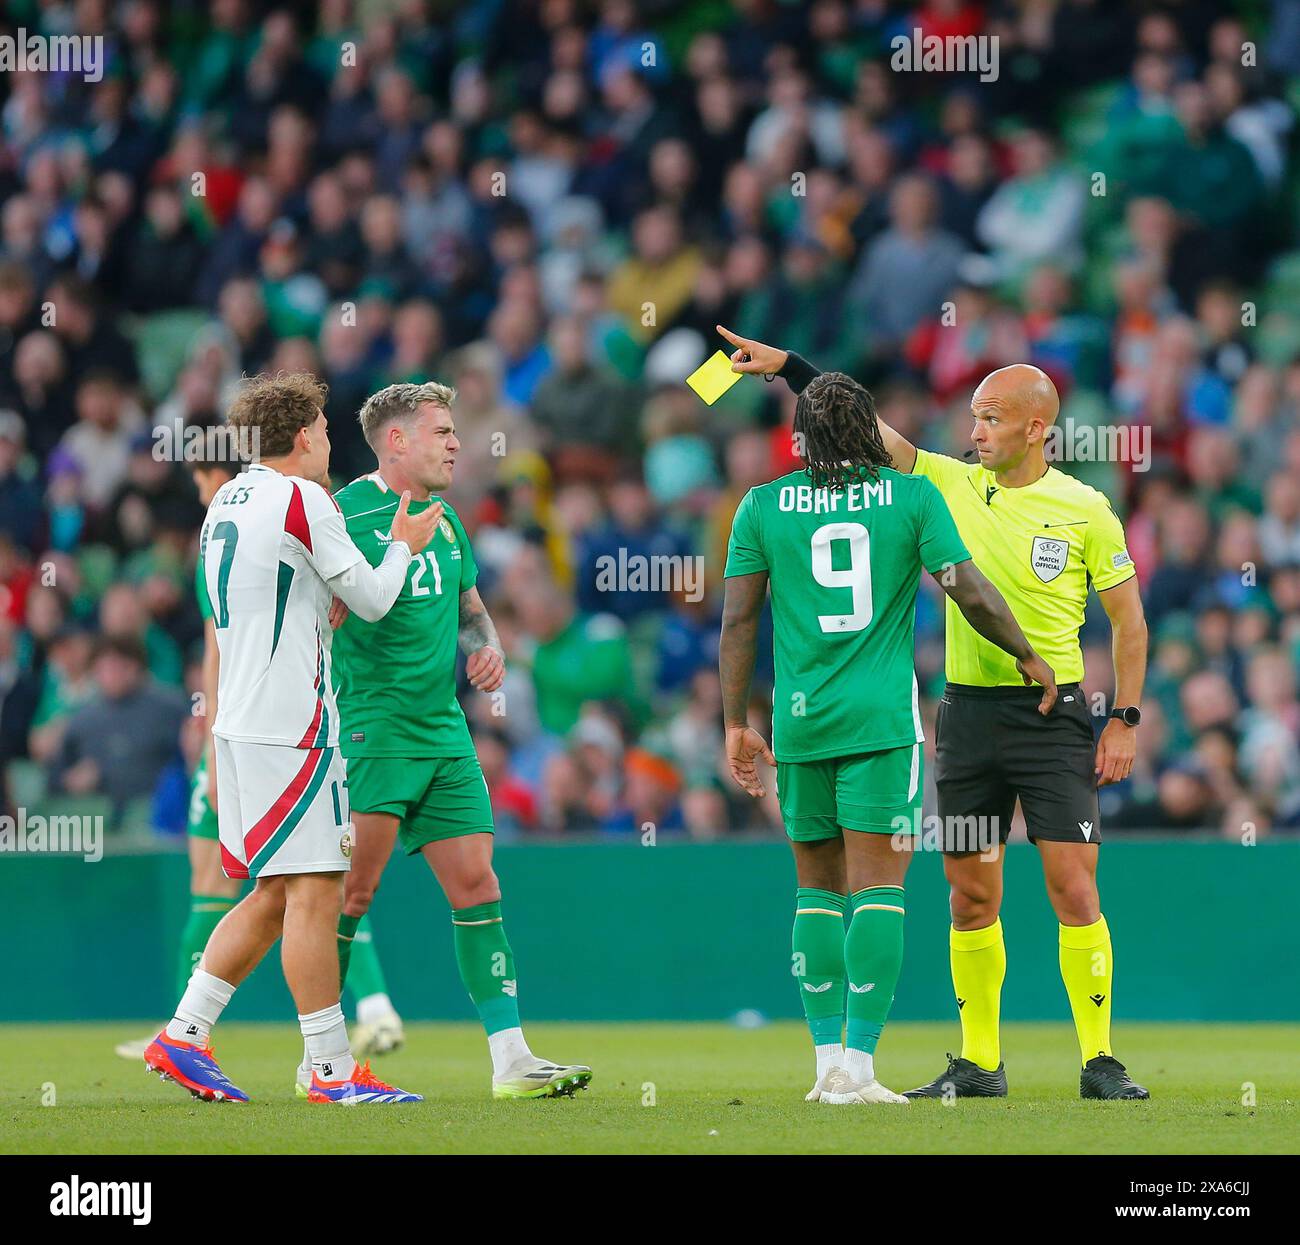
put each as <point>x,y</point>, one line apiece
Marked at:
<point>1041,537</point>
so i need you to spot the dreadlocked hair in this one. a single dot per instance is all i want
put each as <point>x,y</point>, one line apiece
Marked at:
<point>835,421</point>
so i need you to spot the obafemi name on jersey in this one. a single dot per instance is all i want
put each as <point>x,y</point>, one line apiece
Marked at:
<point>268,544</point>
<point>396,679</point>
<point>843,565</point>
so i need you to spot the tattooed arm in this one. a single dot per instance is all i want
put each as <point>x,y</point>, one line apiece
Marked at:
<point>742,605</point>
<point>478,639</point>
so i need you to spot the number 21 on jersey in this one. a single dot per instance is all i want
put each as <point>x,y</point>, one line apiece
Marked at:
<point>422,563</point>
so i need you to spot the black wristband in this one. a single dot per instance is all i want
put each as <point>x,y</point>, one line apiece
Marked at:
<point>798,373</point>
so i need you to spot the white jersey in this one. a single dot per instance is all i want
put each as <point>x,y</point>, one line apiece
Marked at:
<point>269,544</point>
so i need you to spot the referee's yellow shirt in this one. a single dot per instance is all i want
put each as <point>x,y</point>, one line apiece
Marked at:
<point>1039,545</point>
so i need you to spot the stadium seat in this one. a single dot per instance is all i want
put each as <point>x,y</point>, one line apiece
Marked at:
<point>163,341</point>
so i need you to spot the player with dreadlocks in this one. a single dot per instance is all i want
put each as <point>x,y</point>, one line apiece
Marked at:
<point>836,428</point>
<point>841,543</point>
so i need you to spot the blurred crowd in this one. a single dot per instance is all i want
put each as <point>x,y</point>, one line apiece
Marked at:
<point>550,205</point>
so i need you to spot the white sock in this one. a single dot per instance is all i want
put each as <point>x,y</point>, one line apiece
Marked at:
<point>859,1065</point>
<point>201,1005</point>
<point>508,1048</point>
<point>830,1055</point>
<point>326,1035</point>
<point>374,1007</point>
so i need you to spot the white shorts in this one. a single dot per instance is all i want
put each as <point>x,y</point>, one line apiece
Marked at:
<point>281,810</point>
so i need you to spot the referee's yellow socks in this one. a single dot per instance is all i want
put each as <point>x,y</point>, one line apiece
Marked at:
<point>1086,968</point>
<point>979,963</point>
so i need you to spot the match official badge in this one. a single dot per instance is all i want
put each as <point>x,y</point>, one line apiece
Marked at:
<point>1048,557</point>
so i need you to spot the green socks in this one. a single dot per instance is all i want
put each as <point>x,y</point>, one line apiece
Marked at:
<point>206,912</point>
<point>366,976</point>
<point>873,959</point>
<point>817,961</point>
<point>348,926</point>
<point>868,959</point>
<point>487,965</point>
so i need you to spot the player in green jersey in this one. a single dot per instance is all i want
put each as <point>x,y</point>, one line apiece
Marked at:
<point>212,894</point>
<point>842,544</point>
<point>413,775</point>
<point>1045,540</point>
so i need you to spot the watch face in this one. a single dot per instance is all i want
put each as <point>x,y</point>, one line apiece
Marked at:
<point>1131,715</point>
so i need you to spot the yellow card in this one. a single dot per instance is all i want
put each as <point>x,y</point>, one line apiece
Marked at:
<point>713,377</point>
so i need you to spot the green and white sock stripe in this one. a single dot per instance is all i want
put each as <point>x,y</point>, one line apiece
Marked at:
<point>873,959</point>
<point>487,965</point>
<point>885,898</point>
<point>817,961</point>
<point>470,916</point>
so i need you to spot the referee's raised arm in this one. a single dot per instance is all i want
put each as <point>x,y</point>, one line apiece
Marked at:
<point>770,361</point>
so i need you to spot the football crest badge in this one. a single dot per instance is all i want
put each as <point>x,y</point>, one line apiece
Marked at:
<point>1048,557</point>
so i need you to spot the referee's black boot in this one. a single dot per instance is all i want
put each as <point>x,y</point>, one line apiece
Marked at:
<point>964,1079</point>
<point>1105,1077</point>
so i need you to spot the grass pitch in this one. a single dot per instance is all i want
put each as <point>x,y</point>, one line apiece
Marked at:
<point>661,1088</point>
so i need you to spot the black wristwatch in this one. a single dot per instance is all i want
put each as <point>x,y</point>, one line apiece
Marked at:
<point>1130,715</point>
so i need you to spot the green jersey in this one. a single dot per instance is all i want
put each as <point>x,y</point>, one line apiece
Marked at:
<point>396,679</point>
<point>843,568</point>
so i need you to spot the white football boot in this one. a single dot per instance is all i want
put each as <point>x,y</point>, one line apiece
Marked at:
<point>815,1094</point>
<point>839,1089</point>
<point>531,1077</point>
<point>381,1036</point>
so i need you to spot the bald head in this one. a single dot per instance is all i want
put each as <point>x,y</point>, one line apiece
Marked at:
<point>1019,390</point>
<point>1014,409</point>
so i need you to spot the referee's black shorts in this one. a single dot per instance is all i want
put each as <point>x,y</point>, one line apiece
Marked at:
<point>992,746</point>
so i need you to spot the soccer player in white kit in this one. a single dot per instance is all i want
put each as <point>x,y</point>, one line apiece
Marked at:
<point>275,554</point>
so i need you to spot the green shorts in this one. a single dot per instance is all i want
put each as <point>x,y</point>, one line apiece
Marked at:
<point>202,820</point>
<point>433,797</point>
<point>874,792</point>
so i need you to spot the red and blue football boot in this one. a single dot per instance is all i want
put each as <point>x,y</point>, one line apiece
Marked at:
<point>192,1067</point>
<point>362,1088</point>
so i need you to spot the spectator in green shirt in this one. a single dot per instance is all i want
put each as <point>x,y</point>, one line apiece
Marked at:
<point>579,658</point>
